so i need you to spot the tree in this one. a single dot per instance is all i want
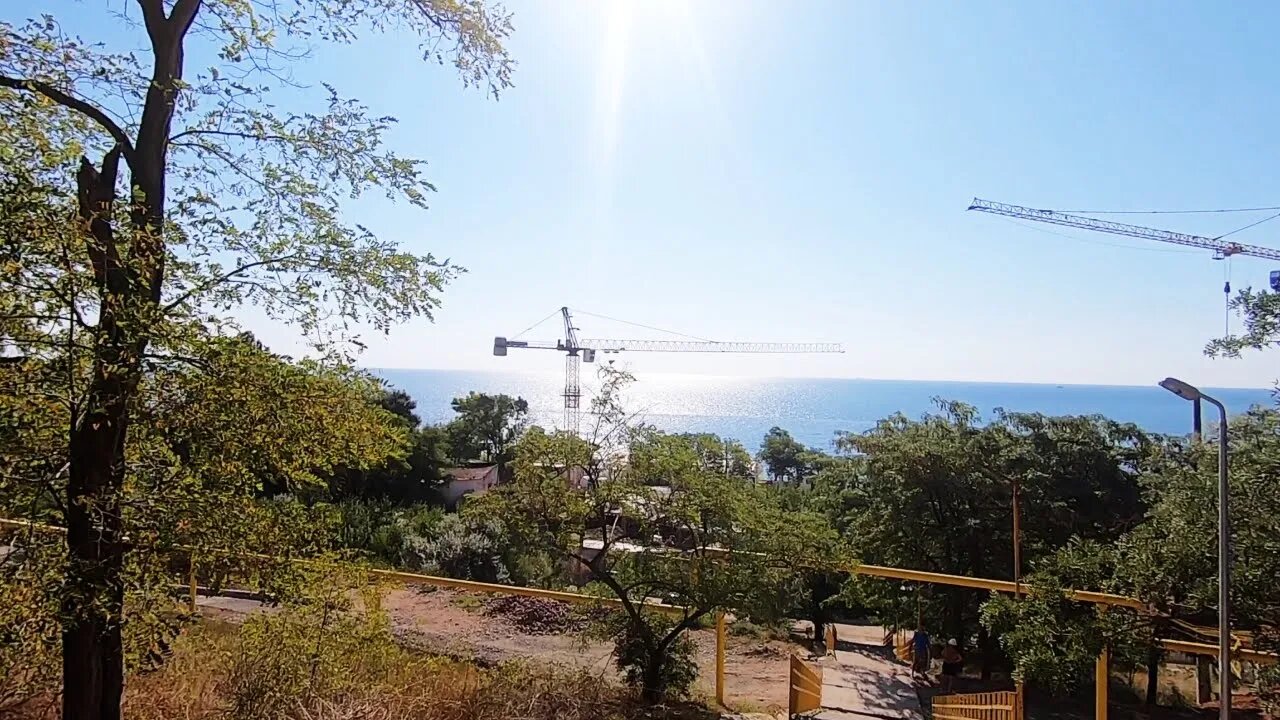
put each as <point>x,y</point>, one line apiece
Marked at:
<point>936,494</point>
<point>227,200</point>
<point>1261,313</point>
<point>487,427</point>
<point>1168,560</point>
<point>402,405</point>
<point>699,539</point>
<point>205,441</point>
<point>413,478</point>
<point>782,455</point>
<point>721,455</point>
<point>658,451</point>
<point>1054,641</point>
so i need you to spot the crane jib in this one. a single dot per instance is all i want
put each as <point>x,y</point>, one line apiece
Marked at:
<point>1223,248</point>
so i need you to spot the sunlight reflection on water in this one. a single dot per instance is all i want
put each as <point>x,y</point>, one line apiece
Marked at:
<point>812,409</point>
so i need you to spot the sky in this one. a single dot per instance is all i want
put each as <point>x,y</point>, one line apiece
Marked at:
<point>800,171</point>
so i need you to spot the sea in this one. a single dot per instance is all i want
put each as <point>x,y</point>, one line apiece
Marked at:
<point>813,410</point>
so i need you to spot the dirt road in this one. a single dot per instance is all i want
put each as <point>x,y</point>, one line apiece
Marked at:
<point>455,623</point>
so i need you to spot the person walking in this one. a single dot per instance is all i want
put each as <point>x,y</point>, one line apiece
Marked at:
<point>921,648</point>
<point>952,662</point>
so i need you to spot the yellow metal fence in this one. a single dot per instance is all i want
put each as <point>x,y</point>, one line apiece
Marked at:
<point>1004,705</point>
<point>806,687</point>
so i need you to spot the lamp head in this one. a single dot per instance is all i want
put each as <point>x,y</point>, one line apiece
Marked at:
<point>1181,389</point>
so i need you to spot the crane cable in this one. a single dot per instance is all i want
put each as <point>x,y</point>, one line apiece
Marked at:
<point>641,325</point>
<point>1173,212</point>
<point>553,313</point>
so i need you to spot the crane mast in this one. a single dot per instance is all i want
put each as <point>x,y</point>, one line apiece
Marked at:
<point>578,351</point>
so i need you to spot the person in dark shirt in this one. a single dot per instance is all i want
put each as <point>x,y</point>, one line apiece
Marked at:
<point>921,647</point>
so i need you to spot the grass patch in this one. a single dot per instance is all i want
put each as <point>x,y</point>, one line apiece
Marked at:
<point>204,679</point>
<point>468,602</point>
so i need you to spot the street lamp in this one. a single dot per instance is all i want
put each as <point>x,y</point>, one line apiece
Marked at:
<point>1190,392</point>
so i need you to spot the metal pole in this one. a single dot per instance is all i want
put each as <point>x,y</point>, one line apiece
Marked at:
<point>1196,424</point>
<point>1017,544</point>
<point>1101,683</point>
<point>720,642</point>
<point>1224,569</point>
<point>191,579</point>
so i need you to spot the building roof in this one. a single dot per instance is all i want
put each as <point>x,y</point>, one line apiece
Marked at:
<point>470,473</point>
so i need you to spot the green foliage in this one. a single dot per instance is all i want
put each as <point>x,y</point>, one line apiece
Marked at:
<point>461,548</point>
<point>720,455</point>
<point>318,645</point>
<point>487,427</point>
<point>386,533</point>
<point>674,670</point>
<point>1260,311</point>
<point>30,654</point>
<point>1169,560</point>
<point>659,523</point>
<point>1054,641</point>
<point>785,458</point>
<point>936,494</point>
<point>414,478</point>
<point>142,201</point>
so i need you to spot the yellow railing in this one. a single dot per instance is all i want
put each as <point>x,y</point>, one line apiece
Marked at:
<point>1005,586</point>
<point>1003,705</point>
<point>805,693</point>
<point>394,575</point>
<point>418,579</point>
<point>901,642</point>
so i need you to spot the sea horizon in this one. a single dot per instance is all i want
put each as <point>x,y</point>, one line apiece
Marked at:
<point>814,410</point>
<point>377,369</point>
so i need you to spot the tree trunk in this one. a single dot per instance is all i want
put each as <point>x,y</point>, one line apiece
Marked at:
<point>131,288</point>
<point>817,613</point>
<point>92,654</point>
<point>92,650</point>
<point>653,689</point>
<point>985,647</point>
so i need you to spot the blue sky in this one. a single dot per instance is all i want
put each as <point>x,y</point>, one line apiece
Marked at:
<point>800,171</point>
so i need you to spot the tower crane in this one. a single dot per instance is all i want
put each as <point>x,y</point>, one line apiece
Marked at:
<point>1221,248</point>
<point>578,351</point>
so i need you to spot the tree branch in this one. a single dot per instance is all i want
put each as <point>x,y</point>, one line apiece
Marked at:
<point>267,137</point>
<point>225,277</point>
<point>183,14</point>
<point>71,102</point>
<point>688,622</point>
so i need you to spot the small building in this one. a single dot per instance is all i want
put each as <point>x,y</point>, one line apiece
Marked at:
<point>466,481</point>
<point>576,475</point>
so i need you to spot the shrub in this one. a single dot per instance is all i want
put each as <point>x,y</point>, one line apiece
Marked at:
<point>668,672</point>
<point>317,647</point>
<point>195,684</point>
<point>463,548</point>
<point>30,635</point>
<point>422,520</point>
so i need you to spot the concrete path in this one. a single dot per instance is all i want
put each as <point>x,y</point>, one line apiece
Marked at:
<point>864,681</point>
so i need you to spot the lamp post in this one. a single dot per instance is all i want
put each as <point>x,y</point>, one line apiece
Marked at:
<point>1190,392</point>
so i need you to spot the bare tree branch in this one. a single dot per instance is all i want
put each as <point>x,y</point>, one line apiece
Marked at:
<point>71,102</point>
<point>225,277</point>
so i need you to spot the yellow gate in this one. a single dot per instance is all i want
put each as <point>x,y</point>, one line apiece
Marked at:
<point>1005,705</point>
<point>806,687</point>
